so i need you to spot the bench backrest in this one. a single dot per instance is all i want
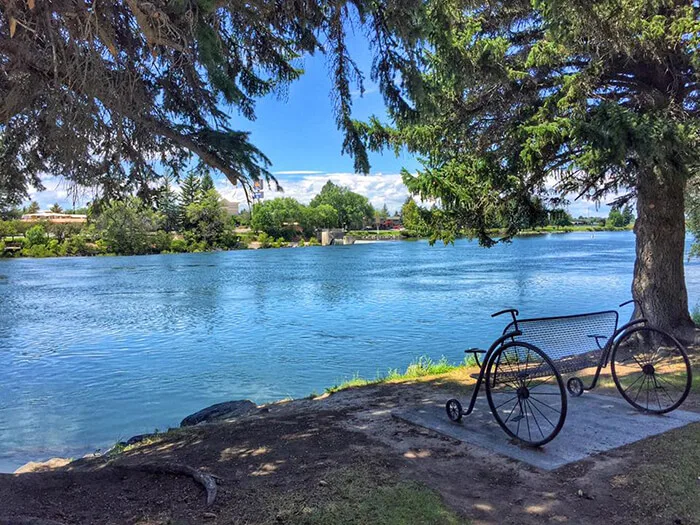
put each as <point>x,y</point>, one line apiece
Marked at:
<point>565,339</point>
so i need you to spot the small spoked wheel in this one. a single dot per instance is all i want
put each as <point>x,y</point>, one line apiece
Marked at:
<point>526,393</point>
<point>651,370</point>
<point>575,386</point>
<point>454,410</point>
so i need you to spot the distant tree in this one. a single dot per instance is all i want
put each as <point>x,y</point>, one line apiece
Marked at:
<point>353,209</point>
<point>56,208</point>
<point>615,219</point>
<point>412,218</point>
<point>280,217</point>
<point>124,226</point>
<point>242,218</point>
<point>318,217</point>
<point>36,235</point>
<point>560,217</point>
<point>33,207</point>
<point>206,183</point>
<point>207,218</point>
<point>168,205</point>
<point>384,212</point>
<point>628,214</point>
<point>190,189</point>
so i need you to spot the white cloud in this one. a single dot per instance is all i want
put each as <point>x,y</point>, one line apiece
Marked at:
<point>297,172</point>
<point>303,185</point>
<point>379,188</point>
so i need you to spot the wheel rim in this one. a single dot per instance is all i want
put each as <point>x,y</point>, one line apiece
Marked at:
<point>526,394</point>
<point>651,370</point>
<point>454,410</point>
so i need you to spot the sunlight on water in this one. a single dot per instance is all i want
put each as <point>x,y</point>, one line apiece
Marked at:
<point>93,350</point>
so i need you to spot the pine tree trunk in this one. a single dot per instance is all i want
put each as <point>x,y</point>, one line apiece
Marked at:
<point>659,277</point>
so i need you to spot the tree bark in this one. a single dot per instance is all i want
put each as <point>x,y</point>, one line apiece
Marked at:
<point>659,277</point>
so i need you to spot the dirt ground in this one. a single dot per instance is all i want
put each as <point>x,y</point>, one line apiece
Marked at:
<point>280,467</point>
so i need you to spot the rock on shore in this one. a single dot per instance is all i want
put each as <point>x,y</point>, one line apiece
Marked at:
<point>220,411</point>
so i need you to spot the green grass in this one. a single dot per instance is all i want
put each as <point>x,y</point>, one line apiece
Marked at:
<point>666,483</point>
<point>359,497</point>
<point>696,315</point>
<point>420,367</point>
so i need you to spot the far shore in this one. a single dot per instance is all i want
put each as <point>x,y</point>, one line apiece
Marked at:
<point>363,236</point>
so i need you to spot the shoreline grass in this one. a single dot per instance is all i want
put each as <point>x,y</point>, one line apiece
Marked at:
<point>420,367</point>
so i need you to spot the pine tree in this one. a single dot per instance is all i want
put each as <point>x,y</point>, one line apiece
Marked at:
<point>206,184</point>
<point>168,204</point>
<point>190,190</point>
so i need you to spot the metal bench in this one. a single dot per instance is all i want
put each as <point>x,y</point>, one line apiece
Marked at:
<point>522,369</point>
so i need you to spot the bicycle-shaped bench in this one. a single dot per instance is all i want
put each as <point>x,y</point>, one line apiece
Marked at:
<point>521,371</point>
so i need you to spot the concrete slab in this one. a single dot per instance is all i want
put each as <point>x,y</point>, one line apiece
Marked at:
<point>594,424</point>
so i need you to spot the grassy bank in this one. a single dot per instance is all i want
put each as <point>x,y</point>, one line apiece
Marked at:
<point>421,367</point>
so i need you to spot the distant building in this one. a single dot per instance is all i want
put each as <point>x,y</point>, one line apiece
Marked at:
<point>391,222</point>
<point>50,216</point>
<point>230,207</point>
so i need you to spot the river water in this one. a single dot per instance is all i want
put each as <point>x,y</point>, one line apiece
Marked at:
<point>94,350</point>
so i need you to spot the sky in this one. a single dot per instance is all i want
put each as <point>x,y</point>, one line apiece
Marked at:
<point>298,133</point>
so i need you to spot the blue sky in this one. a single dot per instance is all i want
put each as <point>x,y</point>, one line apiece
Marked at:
<point>298,133</point>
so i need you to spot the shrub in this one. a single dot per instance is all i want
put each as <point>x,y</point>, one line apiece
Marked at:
<point>279,243</point>
<point>76,245</point>
<point>265,240</point>
<point>313,241</point>
<point>36,235</point>
<point>229,239</point>
<point>178,245</point>
<point>36,250</point>
<point>161,241</point>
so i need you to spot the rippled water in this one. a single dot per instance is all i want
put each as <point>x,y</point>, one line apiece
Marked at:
<point>93,350</point>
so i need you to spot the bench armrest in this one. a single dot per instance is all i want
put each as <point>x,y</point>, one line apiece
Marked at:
<point>474,352</point>
<point>506,311</point>
<point>597,339</point>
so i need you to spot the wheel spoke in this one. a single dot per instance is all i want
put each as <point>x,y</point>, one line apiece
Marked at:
<point>517,431</point>
<point>511,399</point>
<point>534,418</point>
<point>527,420</point>
<point>635,382</point>
<point>544,416</point>
<point>545,404</point>
<point>511,411</point>
<point>640,388</point>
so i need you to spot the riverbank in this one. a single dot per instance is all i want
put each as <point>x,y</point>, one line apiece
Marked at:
<point>342,458</point>
<point>18,246</point>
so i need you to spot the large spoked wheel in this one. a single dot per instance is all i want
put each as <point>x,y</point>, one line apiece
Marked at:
<point>526,393</point>
<point>651,370</point>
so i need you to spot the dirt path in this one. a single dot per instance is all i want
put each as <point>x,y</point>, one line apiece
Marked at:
<point>283,467</point>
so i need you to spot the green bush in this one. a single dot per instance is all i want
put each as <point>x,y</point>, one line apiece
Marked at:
<point>229,239</point>
<point>265,240</point>
<point>77,245</point>
<point>279,243</point>
<point>36,250</point>
<point>178,245</point>
<point>313,241</point>
<point>161,241</point>
<point>36,235</point>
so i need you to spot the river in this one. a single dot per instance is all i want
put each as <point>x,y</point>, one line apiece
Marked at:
<point>94,350</point>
